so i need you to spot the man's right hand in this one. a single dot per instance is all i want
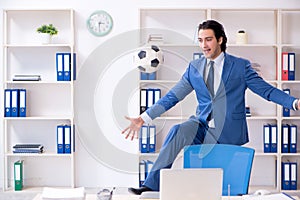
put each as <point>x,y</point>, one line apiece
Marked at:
<point>133,129</point>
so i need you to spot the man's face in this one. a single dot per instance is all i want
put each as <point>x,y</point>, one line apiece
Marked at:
<point>211,48</point>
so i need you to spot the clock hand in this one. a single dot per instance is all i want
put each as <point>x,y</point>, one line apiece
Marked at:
<point>99,25</point>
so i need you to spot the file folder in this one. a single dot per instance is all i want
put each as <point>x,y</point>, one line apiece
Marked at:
<point>14,103</point>
<point>273,138</point>
<point>73,67</point>
<point>293,139</point>
<point>153,95</point>
<point>143,76</point>
<point>266,132</point>
<point>286,111</point>
<point>67,139</point>
<point>7,103</point>
<point>150,97</point>
<point>285,66</point>
<point>147,76</point>
<point>143,100</point>
<point>152,76</point>
<point>59,66</point>
<point>67,67</point>
<point>286,176</point>
<point>157,95</point>
<point>197,55</point>
<point>293,183</point>
<point>149,165</point>
<point>142,172</point>
<point>22,103</point>
<point>18,175</point>
<point>285,138</point>
<point>291,63</point>
<point>152,138</point>
<point>60,139</point>
<point>143,139</point>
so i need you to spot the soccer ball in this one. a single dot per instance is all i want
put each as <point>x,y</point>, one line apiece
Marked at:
<point>149,59</point>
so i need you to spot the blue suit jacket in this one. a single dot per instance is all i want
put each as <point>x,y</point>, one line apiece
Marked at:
<point>228,104</point>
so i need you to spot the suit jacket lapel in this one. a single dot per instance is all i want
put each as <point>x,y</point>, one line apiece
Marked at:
<point>226,72</point>
<point>202,67</point>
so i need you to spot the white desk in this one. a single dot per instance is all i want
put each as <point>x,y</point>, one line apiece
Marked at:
<point>127,197</point>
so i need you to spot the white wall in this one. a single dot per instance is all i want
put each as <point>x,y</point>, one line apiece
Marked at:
<point>89,171</point>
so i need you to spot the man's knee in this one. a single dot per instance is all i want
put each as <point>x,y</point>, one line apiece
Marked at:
<point>175,128</point>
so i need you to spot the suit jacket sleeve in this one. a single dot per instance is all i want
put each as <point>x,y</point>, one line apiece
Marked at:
<point>176,94</point>
<point>256,84</point>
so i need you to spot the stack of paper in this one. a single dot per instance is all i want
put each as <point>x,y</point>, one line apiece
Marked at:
<point>25,77</point>
<point>156,39</point>
<point>151,195</point>
<point>277,196</point>
<point>63,194</point>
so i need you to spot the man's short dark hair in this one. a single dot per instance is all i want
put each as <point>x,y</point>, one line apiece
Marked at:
<point>218,30</point>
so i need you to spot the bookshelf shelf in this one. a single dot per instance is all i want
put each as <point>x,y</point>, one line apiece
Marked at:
<point>53,154</point>
<point>36,45</point>
<point>38,82</point>
<point>32,118</point>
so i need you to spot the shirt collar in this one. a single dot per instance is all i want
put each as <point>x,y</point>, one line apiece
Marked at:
<point>218,59</point>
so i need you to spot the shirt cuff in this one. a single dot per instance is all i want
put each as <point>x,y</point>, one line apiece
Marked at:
<point>147,119</point>
<point>295,104</point>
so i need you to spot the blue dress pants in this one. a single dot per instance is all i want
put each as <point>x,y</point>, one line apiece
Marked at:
<point>188,133</point>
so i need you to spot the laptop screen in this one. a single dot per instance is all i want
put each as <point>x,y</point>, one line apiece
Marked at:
<point>191,184</point>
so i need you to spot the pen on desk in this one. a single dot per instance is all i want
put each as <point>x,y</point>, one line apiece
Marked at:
<point>111,192</point>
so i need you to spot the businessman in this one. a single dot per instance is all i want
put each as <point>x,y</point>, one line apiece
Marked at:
<point>219,81</point>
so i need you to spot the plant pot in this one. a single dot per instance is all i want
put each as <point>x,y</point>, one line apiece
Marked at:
<point>45,38</point>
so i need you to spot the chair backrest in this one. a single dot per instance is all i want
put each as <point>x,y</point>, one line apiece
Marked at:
<point>236,162</point>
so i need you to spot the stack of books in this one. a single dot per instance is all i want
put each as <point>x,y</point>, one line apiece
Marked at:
<point>28,148</point>
<point>21,77</point>
<point>156,39</point>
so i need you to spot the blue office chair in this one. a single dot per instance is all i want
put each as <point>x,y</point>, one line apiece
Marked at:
<point>236,162</point>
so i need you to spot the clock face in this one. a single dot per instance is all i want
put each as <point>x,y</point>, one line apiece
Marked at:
<point>99,23</point>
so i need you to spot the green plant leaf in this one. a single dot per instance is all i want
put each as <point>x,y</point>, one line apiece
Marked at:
<point>50,29</point>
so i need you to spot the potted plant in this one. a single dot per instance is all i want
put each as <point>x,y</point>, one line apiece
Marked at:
<point>47,31</point>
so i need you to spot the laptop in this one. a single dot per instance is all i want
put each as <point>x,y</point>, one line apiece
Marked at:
<point>191,184</point>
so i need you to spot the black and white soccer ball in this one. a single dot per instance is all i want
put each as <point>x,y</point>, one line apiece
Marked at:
<point>149,59</point>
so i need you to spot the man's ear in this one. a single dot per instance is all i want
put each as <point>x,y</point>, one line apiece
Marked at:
<point>220,40</point>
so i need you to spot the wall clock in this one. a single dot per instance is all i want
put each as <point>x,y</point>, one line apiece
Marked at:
<point>100,23</point>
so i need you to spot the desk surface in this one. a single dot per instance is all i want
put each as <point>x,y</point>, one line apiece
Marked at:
<point>137,197</point>
<point>127,197</point>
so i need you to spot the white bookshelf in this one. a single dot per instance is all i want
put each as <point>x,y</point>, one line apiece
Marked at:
<point>267,39</point>
<point>48,102</point>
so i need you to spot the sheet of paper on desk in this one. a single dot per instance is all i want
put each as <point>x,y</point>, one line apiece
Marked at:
<point>63,193</point>
<point>278,196</point>
<point>151,195</point>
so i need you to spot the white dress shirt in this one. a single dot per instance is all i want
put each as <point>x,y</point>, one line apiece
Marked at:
<point>218,66</point>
